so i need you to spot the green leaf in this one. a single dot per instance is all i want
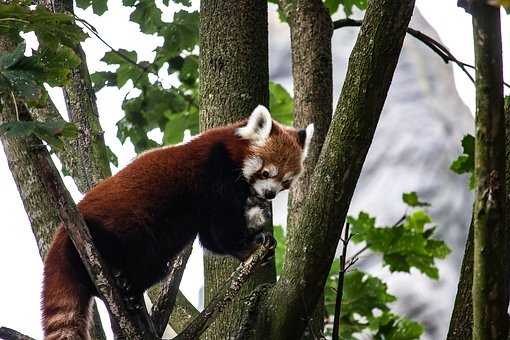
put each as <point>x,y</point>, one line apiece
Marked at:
<point>112,157</point>
<point>417,221</point>
<point>465,163</point>
<point>102,79</point>
<point>349,4</point>
<point>148,16</point>
<point>411,199</point>
<point>332,6</point>
<point>402,246</point>
<point>23,84</point>
<point>119,57</point>
<point>281,104</point>
<point>189,71</point>
<point>53,132</point>
<point>50,28</point>
<point>98,6</point>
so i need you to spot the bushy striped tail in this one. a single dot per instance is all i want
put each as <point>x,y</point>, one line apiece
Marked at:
<point>66,300</point>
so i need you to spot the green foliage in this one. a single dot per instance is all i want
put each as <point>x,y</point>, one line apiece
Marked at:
<point>365,308</point>
<point>404,245</point>
<point>98,6</point>
<point>465,163</point>
<point>23,77</point>
<point>349,4</point>
<point>281,104</point>
<point>51,29</point>
<point>411,199</point>
<point>53,132</point>
<point>365,302</point>
<point>332,6</point>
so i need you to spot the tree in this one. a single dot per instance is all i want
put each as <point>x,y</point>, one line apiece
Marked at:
<point>233,79</point>
<point>482,298</point>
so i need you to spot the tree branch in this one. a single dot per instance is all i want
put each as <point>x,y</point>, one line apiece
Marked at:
<point>225,296</point>
<point>167,295</point>
<point>491,234</point>
<point>133,324</point>
<point>11,334</point>
<point>461,322</point>
<point>340,287</point>
<point>312,72</point>
<point>312,249</point>
<point>433,44</point>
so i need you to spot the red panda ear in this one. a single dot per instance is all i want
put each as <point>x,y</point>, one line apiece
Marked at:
<point>305,138</point>
<point>258,127</point>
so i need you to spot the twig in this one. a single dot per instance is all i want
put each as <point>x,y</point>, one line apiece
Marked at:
<point>15,106</point>
<point>11,334</point>
<point>225,296</point>
<point>340,287</point>
<point>164,304</point>
<point>93,30</point>
<point>433,44</point>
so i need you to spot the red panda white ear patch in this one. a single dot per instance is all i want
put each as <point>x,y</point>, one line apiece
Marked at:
<point>308,139</point>
<point>258,127</point>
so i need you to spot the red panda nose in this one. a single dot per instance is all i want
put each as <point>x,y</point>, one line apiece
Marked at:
<point>268,194</point>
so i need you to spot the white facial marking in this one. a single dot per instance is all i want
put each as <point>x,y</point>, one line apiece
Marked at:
<point>262,186</point>
<point>255,217</point>
<point>308,139</point>
<point>258,127</point>
<point>251,166</point>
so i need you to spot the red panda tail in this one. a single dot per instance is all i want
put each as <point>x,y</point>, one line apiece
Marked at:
<point>66,300</point>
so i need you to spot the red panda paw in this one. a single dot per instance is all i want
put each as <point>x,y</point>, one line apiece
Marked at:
<point>267,240</point>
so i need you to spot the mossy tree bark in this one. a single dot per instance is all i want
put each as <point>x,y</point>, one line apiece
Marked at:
<point>234,79</point>
<point>491,253</point>
<point>311,30</point>
<point>285,311</point>
<point>461,322</point>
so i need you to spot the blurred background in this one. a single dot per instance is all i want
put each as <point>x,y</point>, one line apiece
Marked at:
<point>428,111</point>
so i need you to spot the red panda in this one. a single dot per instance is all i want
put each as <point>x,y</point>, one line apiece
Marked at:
<point>213,186</point>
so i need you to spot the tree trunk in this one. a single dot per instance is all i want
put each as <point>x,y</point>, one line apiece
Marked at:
<point>461,323</point>
<point>491,270</point>
<point>318,225</point>
<point>233,81</point>
<point>310,34</point>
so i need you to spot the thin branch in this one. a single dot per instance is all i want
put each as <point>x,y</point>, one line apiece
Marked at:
<point>433,44</point>
<point>340,287</point>
<point>164,304</point>
<point>11,334</point>
<point>225,296</point>
<point>15,106</point>
<point>93,30</point>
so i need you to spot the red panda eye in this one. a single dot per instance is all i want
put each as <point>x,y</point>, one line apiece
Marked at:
<point>265,174</point>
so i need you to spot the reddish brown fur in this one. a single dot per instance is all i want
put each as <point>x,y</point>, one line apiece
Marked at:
<point>281,149</point>
<point>140,218</point>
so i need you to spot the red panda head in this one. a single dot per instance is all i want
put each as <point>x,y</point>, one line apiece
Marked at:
<point>276,153</point>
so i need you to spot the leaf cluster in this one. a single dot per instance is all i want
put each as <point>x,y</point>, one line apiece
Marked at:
<point>404,245</point>
<point>52,132</point>
<point>23,77</point>
<point>465,163</point>
<point>365,308</point>
<point>173,110</point>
